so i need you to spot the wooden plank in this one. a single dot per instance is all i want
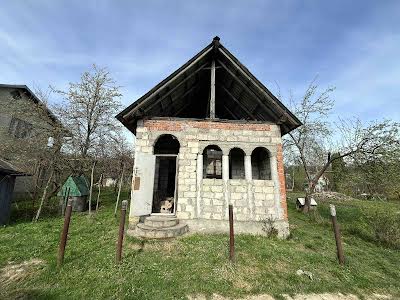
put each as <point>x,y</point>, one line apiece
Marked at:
<point>183,96</point>
<point>231,112</point>
<point>174,89</point>
<point>244,86</point>
<point>212,90</point>
<point>238,102</point>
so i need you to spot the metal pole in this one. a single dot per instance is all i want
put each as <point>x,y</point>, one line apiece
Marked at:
<point>64,234</point>
<point>338,238</point>
<point>231,235</point>
<point>121,230</point>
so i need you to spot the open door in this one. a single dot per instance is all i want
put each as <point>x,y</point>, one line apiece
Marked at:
<point>142,196</point>
<point>164,196</point>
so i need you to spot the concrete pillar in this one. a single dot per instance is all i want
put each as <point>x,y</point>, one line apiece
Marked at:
<point>247,168</point>
<point>199,179</point>
<point>225,177</point>
<point>275,179</point>
<point>225,167</point>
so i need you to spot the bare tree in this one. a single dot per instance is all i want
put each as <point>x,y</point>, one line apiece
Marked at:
<point>313,142</point>
<point>89,109</point>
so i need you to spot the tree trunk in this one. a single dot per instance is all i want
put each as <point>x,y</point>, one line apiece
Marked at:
<point>98,195</point>
<point>43,197</point>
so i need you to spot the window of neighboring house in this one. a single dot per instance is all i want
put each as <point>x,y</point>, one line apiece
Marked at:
<point>19,128</point>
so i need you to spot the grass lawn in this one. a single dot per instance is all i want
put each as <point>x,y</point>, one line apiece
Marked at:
<point>197,264</point>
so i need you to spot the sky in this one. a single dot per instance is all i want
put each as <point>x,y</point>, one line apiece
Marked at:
<point>351,45</point>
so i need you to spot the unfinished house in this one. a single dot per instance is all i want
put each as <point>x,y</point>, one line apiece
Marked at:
<point>208,136</point>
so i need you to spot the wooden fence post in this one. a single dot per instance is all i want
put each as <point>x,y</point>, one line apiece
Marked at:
<point>64,234</point>
<point>121,230</point>
<point>338,238</point>
<point>231,235</point>
<point>119,190</point>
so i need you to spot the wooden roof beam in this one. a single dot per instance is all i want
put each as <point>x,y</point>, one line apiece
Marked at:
<point>176,87</point>
<point>231,113</point>
<point>212,91</point>
<point>238,102</point>
<point>244,86</point>
<point>188,103</point>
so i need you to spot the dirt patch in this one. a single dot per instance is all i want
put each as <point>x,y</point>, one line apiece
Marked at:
<point>13,272</point>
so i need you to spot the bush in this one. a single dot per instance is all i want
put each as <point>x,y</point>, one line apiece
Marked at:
<point>268,226</point>
<point>385,226</point>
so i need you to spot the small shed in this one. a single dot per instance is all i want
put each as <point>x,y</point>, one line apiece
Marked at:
<point>78,192</point>
<point>8,173</point>
<point>300,202</point>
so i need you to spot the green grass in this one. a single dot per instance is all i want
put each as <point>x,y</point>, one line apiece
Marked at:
<point>198,264</point>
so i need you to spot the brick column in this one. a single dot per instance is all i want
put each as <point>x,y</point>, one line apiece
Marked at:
<point>282,186</point>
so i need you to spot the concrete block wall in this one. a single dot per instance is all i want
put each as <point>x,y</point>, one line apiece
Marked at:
<point>207,199</point>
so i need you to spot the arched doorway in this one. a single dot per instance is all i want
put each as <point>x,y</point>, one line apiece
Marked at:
<point>166,150</point>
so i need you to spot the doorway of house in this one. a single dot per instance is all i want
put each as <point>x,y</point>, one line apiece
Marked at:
<point>166,150</point>
<point>164,185</point>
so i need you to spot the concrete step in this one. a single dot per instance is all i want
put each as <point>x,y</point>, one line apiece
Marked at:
<point>146,231</point>
<point>161,221</point>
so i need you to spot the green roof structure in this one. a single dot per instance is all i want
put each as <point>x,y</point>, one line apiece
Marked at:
<point>78,187</point>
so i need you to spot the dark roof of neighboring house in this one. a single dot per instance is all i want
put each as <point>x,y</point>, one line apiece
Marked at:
<point>8,169</point>
<point>184,94</point>
<point>32,97</point>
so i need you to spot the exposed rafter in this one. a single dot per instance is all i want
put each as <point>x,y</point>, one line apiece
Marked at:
<point>244,86</point>
<point>238,102</point>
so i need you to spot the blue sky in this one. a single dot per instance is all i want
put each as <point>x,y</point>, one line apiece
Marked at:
<point>353,45</point>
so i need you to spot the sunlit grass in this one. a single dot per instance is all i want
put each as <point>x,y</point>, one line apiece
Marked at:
<point>195,264</point>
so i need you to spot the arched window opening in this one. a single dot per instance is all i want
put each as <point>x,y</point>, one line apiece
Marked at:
<point>236,164</point>
<point>166,144</point>
<point>212,162</point>
<point>260,164</point>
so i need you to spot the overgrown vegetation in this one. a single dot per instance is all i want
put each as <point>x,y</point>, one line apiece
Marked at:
<point>198,264</point>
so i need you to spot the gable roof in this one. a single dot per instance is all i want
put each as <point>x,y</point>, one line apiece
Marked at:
<point>31,97</point>
<point>78,186</point>
<point>185,93</point>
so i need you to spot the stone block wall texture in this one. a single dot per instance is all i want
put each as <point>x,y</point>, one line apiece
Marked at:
<point>253,200</point>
